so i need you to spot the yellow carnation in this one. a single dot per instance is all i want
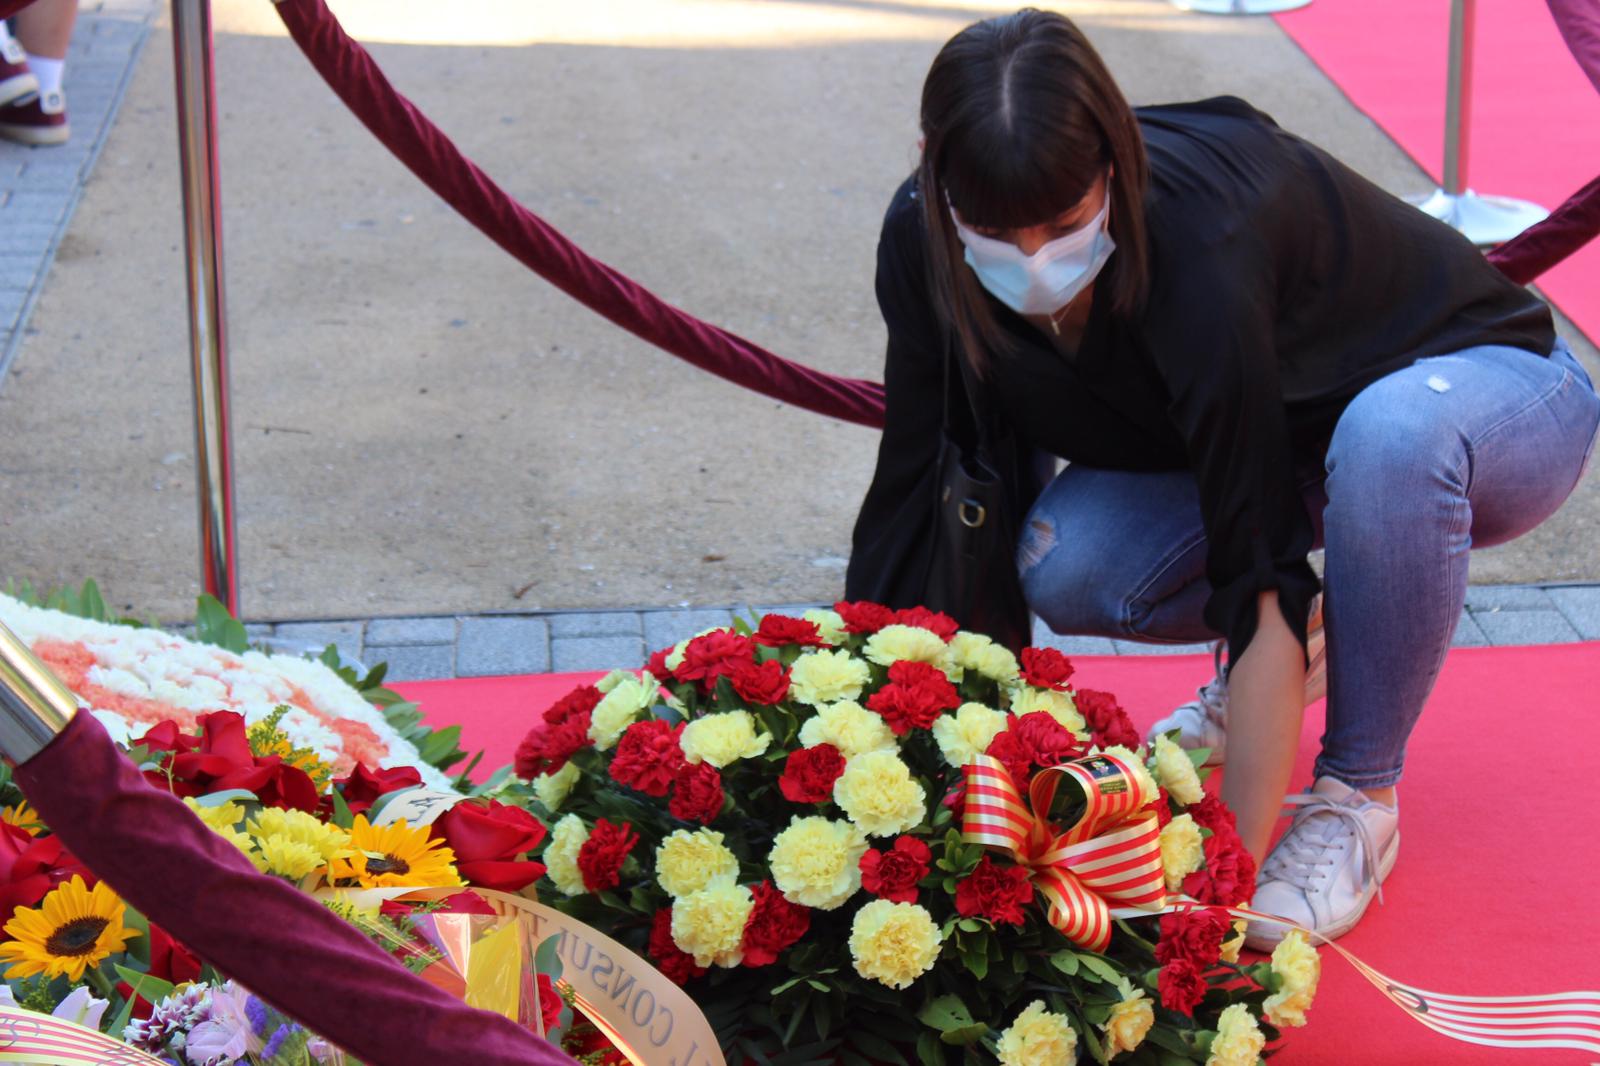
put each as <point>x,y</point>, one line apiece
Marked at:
<point>561,854</point>
<point>720,739</point>
<point>1232,946</point>
<point>709,924</point>
<point>998,664</point>
<point>827,676</point>
<point>894,943</point>
<point>850,727</point>
<point>222,819</point>
<point>1238,1041</point>
<point>1038,1038</point>
<point>553,789</point>
<point>1182,850</point>
<point>618,710</point>
<point>674,658</point>
<point>611,680</point>
<point>1136,766</point>
<point>1131,1018</point>
<point>891,644</point>
<point>1057,705</point>
<point>817,862</point>
<point>691,859</point>
<point>877,792</point>
<point>1175,770</point>
<point>967,732</point>
<point>1296,962</point>
<point>829,624</point>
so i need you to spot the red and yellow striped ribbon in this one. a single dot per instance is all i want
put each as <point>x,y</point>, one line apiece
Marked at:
<point>1106,865</point>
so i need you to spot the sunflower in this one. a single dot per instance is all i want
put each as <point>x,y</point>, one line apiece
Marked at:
<point>73,929</point>
<point>24,817</point>
<point>393,856</point>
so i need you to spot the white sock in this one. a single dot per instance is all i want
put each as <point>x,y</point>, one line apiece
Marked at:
<point>5,32</point>
<point>48,71</point>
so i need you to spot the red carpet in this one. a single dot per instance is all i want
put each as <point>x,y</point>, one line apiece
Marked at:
<point>1492,892</point>
<point>1535,130</point>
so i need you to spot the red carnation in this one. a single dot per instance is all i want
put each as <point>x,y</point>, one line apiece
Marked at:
<point>778,630</point>
<point>764,683</point>
<point>563,729</point>
<point>994,892</point>
<point>1181,986</point>
<point>1228,878</point>
<point>488,839</point>
<point>600,858</point>
<point>809,774</point>
<point>1161,807</point>
<point>893,874</point>
<point>1107,721</point>
<point>697,793</point>
<point>1046,668</point>
<point>1194,936</point>
<point>648,757</point>
<point>1211,813</point>
<point>713,655</point>
<point>669,958</point>
<point>774,925</point>
<point>1008,747</point>
<point>932,621</point>
<point>915,696</point>
<point>1050,742</point>
<point>363,787</point>
<point>864,617</point>
<point>657,665</point>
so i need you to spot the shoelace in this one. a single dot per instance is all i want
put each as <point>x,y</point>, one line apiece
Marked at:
<point>1211,699</point>
<point>1297,858</point>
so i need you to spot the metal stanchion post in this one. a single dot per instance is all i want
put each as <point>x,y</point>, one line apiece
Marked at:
<point>1239,7</point>
<point>208,334</point>
<point>34,704</point>
<point>1486,220</point>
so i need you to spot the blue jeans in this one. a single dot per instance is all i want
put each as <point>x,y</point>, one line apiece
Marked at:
<point>1451,453</point>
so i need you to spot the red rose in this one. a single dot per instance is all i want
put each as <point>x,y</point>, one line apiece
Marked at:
<point>657,665</point>
<point>1181,986</point>
<point>893,874</point>
<point>563,729</point>
<point>1228,877</point>
<point>221,760</point>
<point>809,774</point>
<point>30,867</point>
<point>1195,936</point>
<point>648,757</point>
<point>600,858</point>
<point>916,694</point>
<point>697,794</point>
<point>864,617</point>
<point>778,630</point>
<point>1107,721</point>
<point>670,959</point>
<point>363,787</point>
<point>1046,668</point>
<point>774,925</point>
<point>713,655</point>
<point>488,839</point>
<point>764,683</point>
<point>550,1003</point>
<point>933,621</point>
<point>995,892</point>
<point>1050,742</point>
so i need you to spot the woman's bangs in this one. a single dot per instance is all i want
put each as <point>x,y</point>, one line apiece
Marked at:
<point>1016,186</point>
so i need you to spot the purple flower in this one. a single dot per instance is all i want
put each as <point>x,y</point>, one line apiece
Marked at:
<point>275,1045</point>
<point>257,1013</point>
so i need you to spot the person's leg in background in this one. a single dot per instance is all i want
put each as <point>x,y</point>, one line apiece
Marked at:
<point>17,81</point>
<point>43,29</point>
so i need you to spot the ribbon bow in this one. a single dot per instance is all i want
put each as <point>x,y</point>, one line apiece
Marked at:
<point>1111,856</point>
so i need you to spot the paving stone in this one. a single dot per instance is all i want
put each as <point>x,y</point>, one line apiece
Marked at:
<point>1134,647</point>
<point>571,654</point>
<point>411,631</point>
<point>1482,598</point>
<point>596,624</point>
<point>1580,605</point>
<point>346,636</point>
<point>662,629</point>
<point>1525,627</point>
<point>492,647</point>
<point>1468,634</point>
<point>41,206</point>
<point>413,662</point>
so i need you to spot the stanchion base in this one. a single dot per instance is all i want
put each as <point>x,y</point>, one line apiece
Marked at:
<point>1239,7</point>
<point>1485,220</point>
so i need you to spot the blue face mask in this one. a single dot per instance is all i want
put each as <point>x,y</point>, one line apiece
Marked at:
<point>1046,281</point>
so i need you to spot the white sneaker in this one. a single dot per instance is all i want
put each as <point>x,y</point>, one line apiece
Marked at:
<point>1324,871</point>
<point>1203,721</point>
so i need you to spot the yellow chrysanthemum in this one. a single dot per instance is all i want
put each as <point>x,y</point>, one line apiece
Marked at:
<point>1176,772</point>
<point>619,709</point>
<point>829,625</point>
<point>691,859</point>
<point>1131,1019</point>
<point>894,943</point>
<point>879,795</point>
<point>1299,966</point>
<point>395,856</point>
<point>817,862</point>
<point>1182,850</point>
<point>709,924</point>
<point>1038,1038</point>
<point>967,732</point>
<point>553,789</point>
<point>850,727</point>
<point>326,841</point>
<point>567,838</point>
<point>72,929</point>
<point>1057,705</point>
<point>891,644</point>
<point>23,817</point>
<point>720,739</point>
<point>820,677</point>
<point>286,857</point>
<point>222,819</point>
<point>1238,1041</point>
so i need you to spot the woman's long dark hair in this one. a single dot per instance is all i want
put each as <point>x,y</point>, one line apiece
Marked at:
<point>1019,119</point>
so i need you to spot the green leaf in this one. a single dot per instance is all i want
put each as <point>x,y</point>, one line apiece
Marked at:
<point>876,1048</point>
<point>342,817</point>
<point>970,925</point>
<point>152,988</point>
<point>1066,962</point>
<point>231,795</point>
<point>214,625</point>
<point>929,1051</point>
<point>1101,967</point>
<point>1198,756</point>
<point>794,1022</point>
<point>91,604</point>
<point>944,1013</point>
<point>547,958</point>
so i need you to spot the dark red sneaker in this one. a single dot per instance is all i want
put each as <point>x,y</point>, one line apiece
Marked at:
<point>41,119</point>
<point>16,80</point>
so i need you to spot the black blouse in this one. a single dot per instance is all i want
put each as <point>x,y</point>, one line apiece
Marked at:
<point>1282,283</point>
